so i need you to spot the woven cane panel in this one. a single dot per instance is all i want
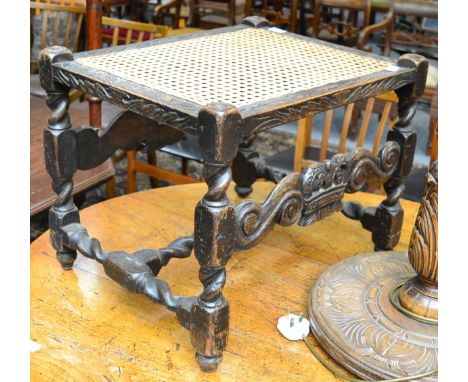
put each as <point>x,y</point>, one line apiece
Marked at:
<point>239,68</point>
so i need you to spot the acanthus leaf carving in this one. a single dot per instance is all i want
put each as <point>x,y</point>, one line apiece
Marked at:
<point>281,116</point>
<point>157,112</point>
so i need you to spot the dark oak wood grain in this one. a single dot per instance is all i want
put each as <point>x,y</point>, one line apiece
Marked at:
<point>220,227</point>
<point>41,194</point>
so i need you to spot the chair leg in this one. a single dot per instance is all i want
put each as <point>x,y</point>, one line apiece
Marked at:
<point>61,169</point>
<point>185,167</point>
<point>110,185</point>
<point>430,139</point>
<point>110,188</point>
<point>244,170</point>
<point>434,140</point>
<point>194,17</point>
<point>353,130</point>
<point>131,173</point>
<point>153,161</point>
<point>304,127</point>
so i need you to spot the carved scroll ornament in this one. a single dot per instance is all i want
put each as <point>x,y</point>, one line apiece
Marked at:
<point>127,131</point>
<point>317,193</point>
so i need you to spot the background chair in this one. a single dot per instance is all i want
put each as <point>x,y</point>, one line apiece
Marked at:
<point>53,24</point>
<point>118,31</point>
<point>214,13</point>
<point>347,22</point>
<point>416,29</point>
<point>280,13</point>
<point>381,110</point>
<point>167,12</point>
<point>161,12</point>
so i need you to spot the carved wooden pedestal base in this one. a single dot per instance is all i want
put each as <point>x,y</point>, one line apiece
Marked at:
<point>353,319</point>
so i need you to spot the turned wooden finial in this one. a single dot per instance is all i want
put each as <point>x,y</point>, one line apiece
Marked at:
<point>419,295</point>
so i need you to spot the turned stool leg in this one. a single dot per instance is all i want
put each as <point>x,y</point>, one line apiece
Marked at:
<point>389,214</point>
<point>247,167</point>
<point>214,233</point>
<point>243,168</point>
<point>60,154</point>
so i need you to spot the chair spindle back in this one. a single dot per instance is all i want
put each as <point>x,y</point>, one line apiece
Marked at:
<point>74,20</point>
<point>385,106</point>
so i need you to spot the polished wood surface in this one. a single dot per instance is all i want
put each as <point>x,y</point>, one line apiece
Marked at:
<point>91,329</point>
<point>41,194</point>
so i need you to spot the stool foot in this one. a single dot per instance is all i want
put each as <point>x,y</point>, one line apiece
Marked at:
<point>66,259</point>
<point>242,191</point>
<point>208,364</point>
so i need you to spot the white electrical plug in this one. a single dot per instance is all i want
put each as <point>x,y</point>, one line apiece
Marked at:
<point>293,327</point>
<point>34,346</point>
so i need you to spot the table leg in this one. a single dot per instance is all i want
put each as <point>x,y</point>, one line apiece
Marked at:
<point>60,154</point>
<point>214,233</point>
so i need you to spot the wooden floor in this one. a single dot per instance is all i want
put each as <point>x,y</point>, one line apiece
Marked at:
<point>91,329</point>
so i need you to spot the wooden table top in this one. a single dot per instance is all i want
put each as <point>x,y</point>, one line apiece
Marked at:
<point>41,194</point>
<point>91,329</point>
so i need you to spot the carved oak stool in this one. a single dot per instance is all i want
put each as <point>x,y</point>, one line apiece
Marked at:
<point>224,86</point>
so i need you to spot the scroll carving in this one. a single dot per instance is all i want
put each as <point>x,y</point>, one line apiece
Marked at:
<point>283,206</point>
<point>315,194</point>
<point>324,184</point>
<point>127,131</point>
